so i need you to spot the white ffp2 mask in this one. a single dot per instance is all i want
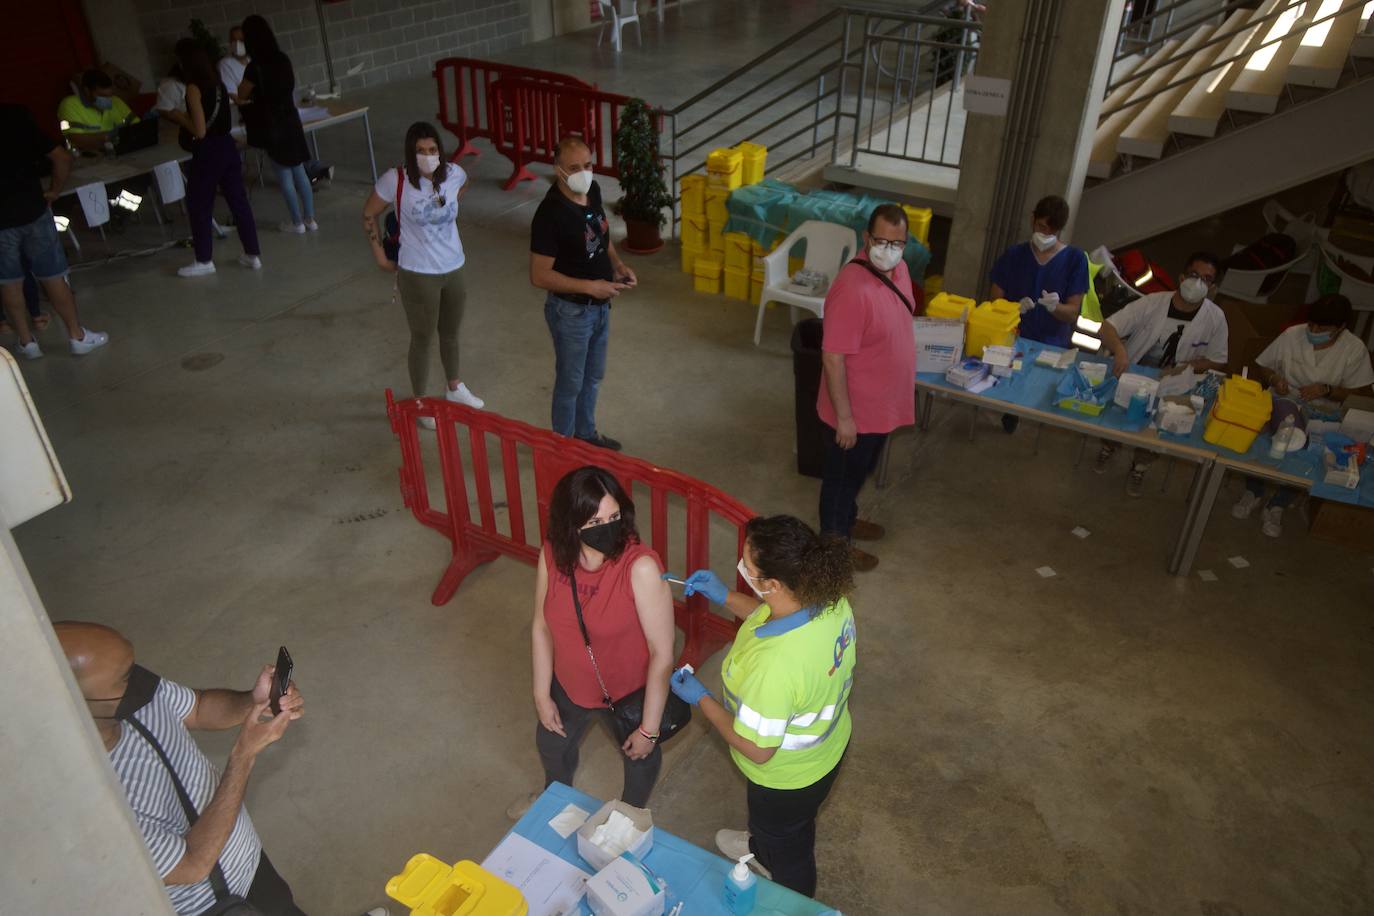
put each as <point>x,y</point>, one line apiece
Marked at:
<point>1043,241</point>
<point>428,165</point>
<point>750,579</point>
<point>884,258</point>
<point>579,182</point>
<point>1193,290</point>
<point>240,49</point>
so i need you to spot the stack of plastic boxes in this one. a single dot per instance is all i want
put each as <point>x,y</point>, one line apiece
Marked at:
<point>708,253</point>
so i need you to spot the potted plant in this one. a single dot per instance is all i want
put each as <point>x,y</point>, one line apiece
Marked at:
<point>641,178</point>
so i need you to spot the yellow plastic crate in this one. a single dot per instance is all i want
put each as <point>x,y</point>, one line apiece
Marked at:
<point>725,169</point>
<point>433,888</point>
<point>693,189</point>
<point>918,223</point>
<point>689,257</point>
<point>716,211</point>
<point>706,274</point>
<point>992,324</point>
<point>737,283</point>
<point>755,161</point>
<point>948,305</point>
<point>1242,408</point>
<point>756,279</point>
<point>694,230</point>
<point>715,238</point>
<point>739,251</point>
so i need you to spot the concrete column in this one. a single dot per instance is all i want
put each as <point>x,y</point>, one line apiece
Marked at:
<point>71,845</point>
<point>1075,79</point>
<point>119,39</point>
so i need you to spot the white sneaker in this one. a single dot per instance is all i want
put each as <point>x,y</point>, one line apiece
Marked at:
<point>425,422</point>
<point>30,350</point>
<point>1246,505</point>
<point>1272,521</point>
<point>378,911</point>
<point>91,341</point>
<point>197,269</point>
<point>461,395</point>
<point>311,225</point>
<point>517,808</point>
<point>734,845</point>
<point>251,261</point>
<point>293,228</point>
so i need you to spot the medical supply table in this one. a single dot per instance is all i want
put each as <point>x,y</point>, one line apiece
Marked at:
<point>1030,393</point>
<point>692,874</point>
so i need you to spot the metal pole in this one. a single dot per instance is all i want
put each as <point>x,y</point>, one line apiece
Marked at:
<point>859,108</point>
<point>324,40</point>
<point>839,97</point>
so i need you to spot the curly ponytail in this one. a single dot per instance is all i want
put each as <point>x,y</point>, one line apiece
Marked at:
<point>817,569</point>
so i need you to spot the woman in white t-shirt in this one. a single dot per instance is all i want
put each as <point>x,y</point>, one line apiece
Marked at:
<point>1318,360</point>
<point>430,263</point>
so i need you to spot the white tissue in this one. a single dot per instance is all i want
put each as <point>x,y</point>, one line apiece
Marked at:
<point>617,835</point>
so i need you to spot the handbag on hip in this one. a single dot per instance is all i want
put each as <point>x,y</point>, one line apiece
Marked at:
<point>628,711</point>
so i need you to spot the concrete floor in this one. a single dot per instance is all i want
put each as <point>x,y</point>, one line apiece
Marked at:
<point>1108,740</point>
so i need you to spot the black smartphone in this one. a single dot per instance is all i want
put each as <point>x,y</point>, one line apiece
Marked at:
<point>281,679</point>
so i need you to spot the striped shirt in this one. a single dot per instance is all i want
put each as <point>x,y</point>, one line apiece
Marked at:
<point>156,807</point>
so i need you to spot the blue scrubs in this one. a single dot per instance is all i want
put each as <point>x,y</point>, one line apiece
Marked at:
<point>1020,275</point>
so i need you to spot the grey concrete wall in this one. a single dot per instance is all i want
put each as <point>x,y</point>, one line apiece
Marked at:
<point>118,38</point>
<point>70,844</point>
<point>387,39</point>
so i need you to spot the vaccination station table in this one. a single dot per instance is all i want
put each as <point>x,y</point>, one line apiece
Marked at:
<point>694,876</point>
<point>1030,393</point>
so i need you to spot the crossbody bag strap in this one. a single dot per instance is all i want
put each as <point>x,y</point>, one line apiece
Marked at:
<point>587,640</point>
<point>217,881</point>
<point>887,281</point>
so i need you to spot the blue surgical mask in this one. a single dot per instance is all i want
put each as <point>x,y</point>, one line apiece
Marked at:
<point>1318,340</point>
<point>104,102</point>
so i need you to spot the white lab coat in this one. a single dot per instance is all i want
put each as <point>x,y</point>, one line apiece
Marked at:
<point>1146,322</point>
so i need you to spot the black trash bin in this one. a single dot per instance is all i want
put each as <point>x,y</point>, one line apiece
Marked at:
<point>806,375</point>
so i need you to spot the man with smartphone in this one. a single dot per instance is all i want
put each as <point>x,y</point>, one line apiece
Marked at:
<point>198,833</point>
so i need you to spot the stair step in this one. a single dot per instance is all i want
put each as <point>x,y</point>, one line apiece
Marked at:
<point>1149,129</point>
<point>1363,45</point>
<point>1103,156</point>
<point>1321,55</point>
<point>1260,83</point>
<point>1200,111</point>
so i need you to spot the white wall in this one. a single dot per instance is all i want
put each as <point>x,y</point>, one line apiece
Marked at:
<point>118,38</point>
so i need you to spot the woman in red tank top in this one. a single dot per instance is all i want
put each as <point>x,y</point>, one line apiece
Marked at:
<point>628,612</point>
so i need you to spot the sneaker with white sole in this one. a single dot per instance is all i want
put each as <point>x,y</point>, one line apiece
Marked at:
<point>197,269</point>
<point>312,226</point>
<point>461,395</point>
<point>734,845</point>
<point>251,261</point>
<point>1135,482</point>
<point>30,350</point>
<point>378,911</point>
<point>1104,457</point>
<point>90,340</point>
<point>517,808</point>
<point>1271,521</point>
<point>292,228</point>
<point>1246,505</point>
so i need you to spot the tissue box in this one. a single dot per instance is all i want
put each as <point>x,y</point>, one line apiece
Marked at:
<point>1129,384</point>
<point>597,857</point>
<point>939,343</point>
<point>625,888</point>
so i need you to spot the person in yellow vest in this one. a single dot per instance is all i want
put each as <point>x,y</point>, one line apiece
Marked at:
<point>94,113</point>
<point>786,683</point>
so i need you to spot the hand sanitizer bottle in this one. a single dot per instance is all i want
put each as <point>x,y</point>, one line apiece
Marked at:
<point>741,886</point>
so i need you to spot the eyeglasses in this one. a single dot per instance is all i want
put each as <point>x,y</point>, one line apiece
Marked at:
<point>889,244</point>
<point>1209,279</point>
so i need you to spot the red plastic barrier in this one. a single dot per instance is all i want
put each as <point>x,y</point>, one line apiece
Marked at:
<point>479,541</point>
<point>539,114</point>
<point>464,86</point>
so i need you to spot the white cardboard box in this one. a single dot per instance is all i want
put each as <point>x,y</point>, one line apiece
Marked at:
<point>625,888</point>
<point>939,343</point>
<point>594,855</point>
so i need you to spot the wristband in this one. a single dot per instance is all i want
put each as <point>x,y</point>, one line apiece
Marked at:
<point>653,738</point>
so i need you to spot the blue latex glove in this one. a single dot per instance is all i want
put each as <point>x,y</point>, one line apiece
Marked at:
<point>686,687</point>
<point>708,584</point>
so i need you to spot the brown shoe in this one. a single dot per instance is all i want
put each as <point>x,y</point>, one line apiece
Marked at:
<point>863,562</point>
<point>866,531</point>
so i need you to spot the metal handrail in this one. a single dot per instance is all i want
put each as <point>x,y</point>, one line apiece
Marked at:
<point>1195,77</point>
<point>1227,7</point>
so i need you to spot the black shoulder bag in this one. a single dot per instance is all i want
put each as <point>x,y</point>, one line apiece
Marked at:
<point>226,904</point>
<point>628,711</point>
<point>887,281</point>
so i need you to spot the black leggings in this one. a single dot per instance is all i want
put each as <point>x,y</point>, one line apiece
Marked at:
<point>559,755</point>
<point>782,830</point>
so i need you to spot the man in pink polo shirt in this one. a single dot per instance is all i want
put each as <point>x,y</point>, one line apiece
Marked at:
<point>869,361</point>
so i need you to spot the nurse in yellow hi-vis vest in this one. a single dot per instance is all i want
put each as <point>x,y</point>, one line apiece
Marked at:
<point>784,708</point>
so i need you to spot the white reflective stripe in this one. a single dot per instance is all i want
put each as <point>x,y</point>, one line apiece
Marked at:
<point>764,728</point>
<point>806,720</point>
<point>800,742</point>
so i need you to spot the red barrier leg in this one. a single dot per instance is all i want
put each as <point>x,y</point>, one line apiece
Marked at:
<point>458,569</point>
<point>467,149</point>
<point>520,174</point>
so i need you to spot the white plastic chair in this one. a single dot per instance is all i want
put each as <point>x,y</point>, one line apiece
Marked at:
<point>829,247</point>
<point>1360,292</point>
<point>1303,229</point>
<point>1259,285</point>
<point>615,15</point>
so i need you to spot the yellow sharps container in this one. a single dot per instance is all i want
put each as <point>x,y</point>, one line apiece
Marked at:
<point>432,888</point>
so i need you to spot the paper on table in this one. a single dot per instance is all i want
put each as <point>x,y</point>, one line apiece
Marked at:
<point>1178,383</point>
<point>984,385</point>
<point>313,113</point>
<point>566,822</point>
<point>552,886</point>
<point>94,204</point>
<point>171,186</point>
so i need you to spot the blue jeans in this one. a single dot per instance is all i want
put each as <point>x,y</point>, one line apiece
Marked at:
<point>295,188</point>
<point>1283,496</point>
<point>580,337</point>
<point>34,249</point>
<point>843,477</point>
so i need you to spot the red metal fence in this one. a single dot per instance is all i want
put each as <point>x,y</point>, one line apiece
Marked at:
<point>464,86</point>
<point>536,115</point>
<point>481,540</point>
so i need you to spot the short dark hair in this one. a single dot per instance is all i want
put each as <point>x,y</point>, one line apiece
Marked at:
<point>1331,310</point>
<point>423,130</point>
<point>258,39</point>
<point>1053,210</point>
<point>888,213</point>
<point>96,79</point>
<point>817,569</point>
<point>1203,257</point>
<point>574,500</point>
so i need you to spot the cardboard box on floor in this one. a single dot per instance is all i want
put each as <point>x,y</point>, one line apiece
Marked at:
<point>1252,326</point>
<point>1342,523</point>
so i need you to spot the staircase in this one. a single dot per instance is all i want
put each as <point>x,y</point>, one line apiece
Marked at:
<point>1228,107</point>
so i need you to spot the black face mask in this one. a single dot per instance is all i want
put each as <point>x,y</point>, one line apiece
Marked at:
<point>605,538</point>
<point>142,685</point>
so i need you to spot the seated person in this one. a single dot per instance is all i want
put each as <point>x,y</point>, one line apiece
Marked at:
<point>1047,276</point>
<point>1168,331</point>
<point>171,96</point>
<point>232,65</point>
<point>1318,360</point>
<point>93,114</point>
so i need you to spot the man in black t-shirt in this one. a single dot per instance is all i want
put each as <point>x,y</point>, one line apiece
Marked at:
<point>28,235</point>
<point>573,258</point>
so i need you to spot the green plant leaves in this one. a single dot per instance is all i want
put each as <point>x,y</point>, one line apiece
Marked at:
<point>641,169</point>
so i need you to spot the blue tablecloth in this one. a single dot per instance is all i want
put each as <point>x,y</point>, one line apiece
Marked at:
<point>692,874</point>
<point>1034,388</point>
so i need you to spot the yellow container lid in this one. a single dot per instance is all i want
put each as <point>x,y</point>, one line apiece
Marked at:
<point>724,159</point>
<point>1000,314</point>
<point>948,305</point>
<point>753,150</point>
<point>1244,402</point>
<point>433,888</point>
<point>691,181</point>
